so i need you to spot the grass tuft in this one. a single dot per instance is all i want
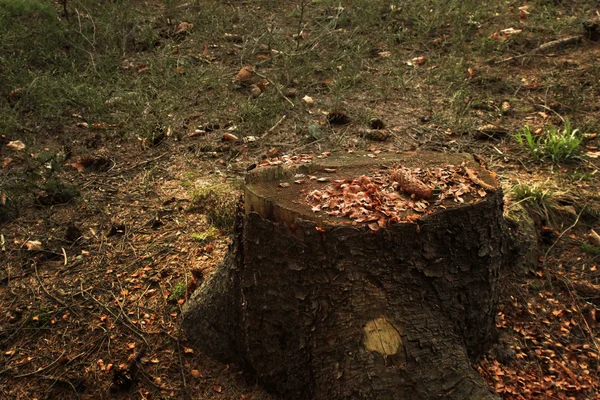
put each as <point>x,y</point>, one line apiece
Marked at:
<point>555,144</point>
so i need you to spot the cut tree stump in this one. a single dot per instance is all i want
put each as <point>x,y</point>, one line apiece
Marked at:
<point>367,305</point>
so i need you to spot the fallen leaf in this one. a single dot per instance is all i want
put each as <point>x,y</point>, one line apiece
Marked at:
<point>3,198</point>
<point>184,27</point>
<point>374,226</point>
<point>16,145</point>
<point>255,91</point>
<point>187,350</point>
<point>308,101</point>
<point>6,162</point>
<point>229,137</point>
<point>78,166</point>
<point>195,373</point>
<point>244,75</point>
<point>33,245</point>
<point>217,388</point>
<point>593,154</point>
<point>141,68</point>
<point>284,185</point>
<point>417,61</point>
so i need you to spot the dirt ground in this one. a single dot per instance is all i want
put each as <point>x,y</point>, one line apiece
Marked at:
<point>103,235</point>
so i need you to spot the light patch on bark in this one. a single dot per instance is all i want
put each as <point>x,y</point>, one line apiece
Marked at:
<point>382,337</point>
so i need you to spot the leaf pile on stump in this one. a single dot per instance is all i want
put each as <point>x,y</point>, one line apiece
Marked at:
<point>395,195</point>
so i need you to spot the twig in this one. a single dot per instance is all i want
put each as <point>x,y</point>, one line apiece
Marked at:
<point>64,255</point>
<point>42,369</point>
<point>271,129</point>
<point>563,233</point>
<point>116,317</point>
<point>546,46</point>
<point>59,301</point>
<point>276,87</point>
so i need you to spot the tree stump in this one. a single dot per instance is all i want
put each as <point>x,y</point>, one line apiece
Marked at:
<point>318,302</point>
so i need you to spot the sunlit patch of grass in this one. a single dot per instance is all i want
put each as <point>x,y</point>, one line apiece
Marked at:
<point>540,197</point>
<point>555,144</point>
<point>205,236</point>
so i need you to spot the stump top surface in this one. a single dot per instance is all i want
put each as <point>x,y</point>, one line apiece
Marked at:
<point>283,192</point>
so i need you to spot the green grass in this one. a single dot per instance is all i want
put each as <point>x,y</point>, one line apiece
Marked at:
<point>541,198</point>
<point>554,143</point>
<point>590,249</point>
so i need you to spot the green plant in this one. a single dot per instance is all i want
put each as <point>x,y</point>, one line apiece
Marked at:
<point>554,143</point>
<point>218,203</point>
<point>206,236</point>
<point>178,292</point>
<point>590,249</point>
<point>541,198</point>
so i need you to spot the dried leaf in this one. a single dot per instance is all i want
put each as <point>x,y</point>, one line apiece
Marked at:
<point>3,198</point>
<point>16,145</point>
<point>33,245</point>
<point>284,185</point>
<point>245,75</point>
<point>229,137</point>
<point>417,61</point>
<point>195,373</point>
<point>184,27</point>
<point>6,162</point>
<point>78,166</point>
<point>374,226</point>
<point>308,101</point>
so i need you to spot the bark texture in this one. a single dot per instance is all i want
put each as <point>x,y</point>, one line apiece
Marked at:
<point>342,312</point>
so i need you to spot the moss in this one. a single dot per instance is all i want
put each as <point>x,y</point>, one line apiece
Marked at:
<point>218,203</point>
<point>206,236</point>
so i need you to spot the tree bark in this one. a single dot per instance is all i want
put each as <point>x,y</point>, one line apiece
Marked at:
<point>318,309</point>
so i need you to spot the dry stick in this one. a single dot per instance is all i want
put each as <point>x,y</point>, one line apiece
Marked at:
<point>271,129</point>
<point>62,303</point>
<point>546,46</point>
<point>276,87</point>
<point>116,317</point>
<point>563,233</point>
<point>126,317</point>
<point>42,369</point>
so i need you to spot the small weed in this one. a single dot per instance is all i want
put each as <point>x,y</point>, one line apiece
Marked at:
<point>57,192</point>
<point>208,235</point>
<point>590,249</point>
<point>555,144</point>
<point>218,203</point>
<point>178,292</point>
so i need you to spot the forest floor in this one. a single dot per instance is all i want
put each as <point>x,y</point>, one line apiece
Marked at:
<point>126,130</point>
